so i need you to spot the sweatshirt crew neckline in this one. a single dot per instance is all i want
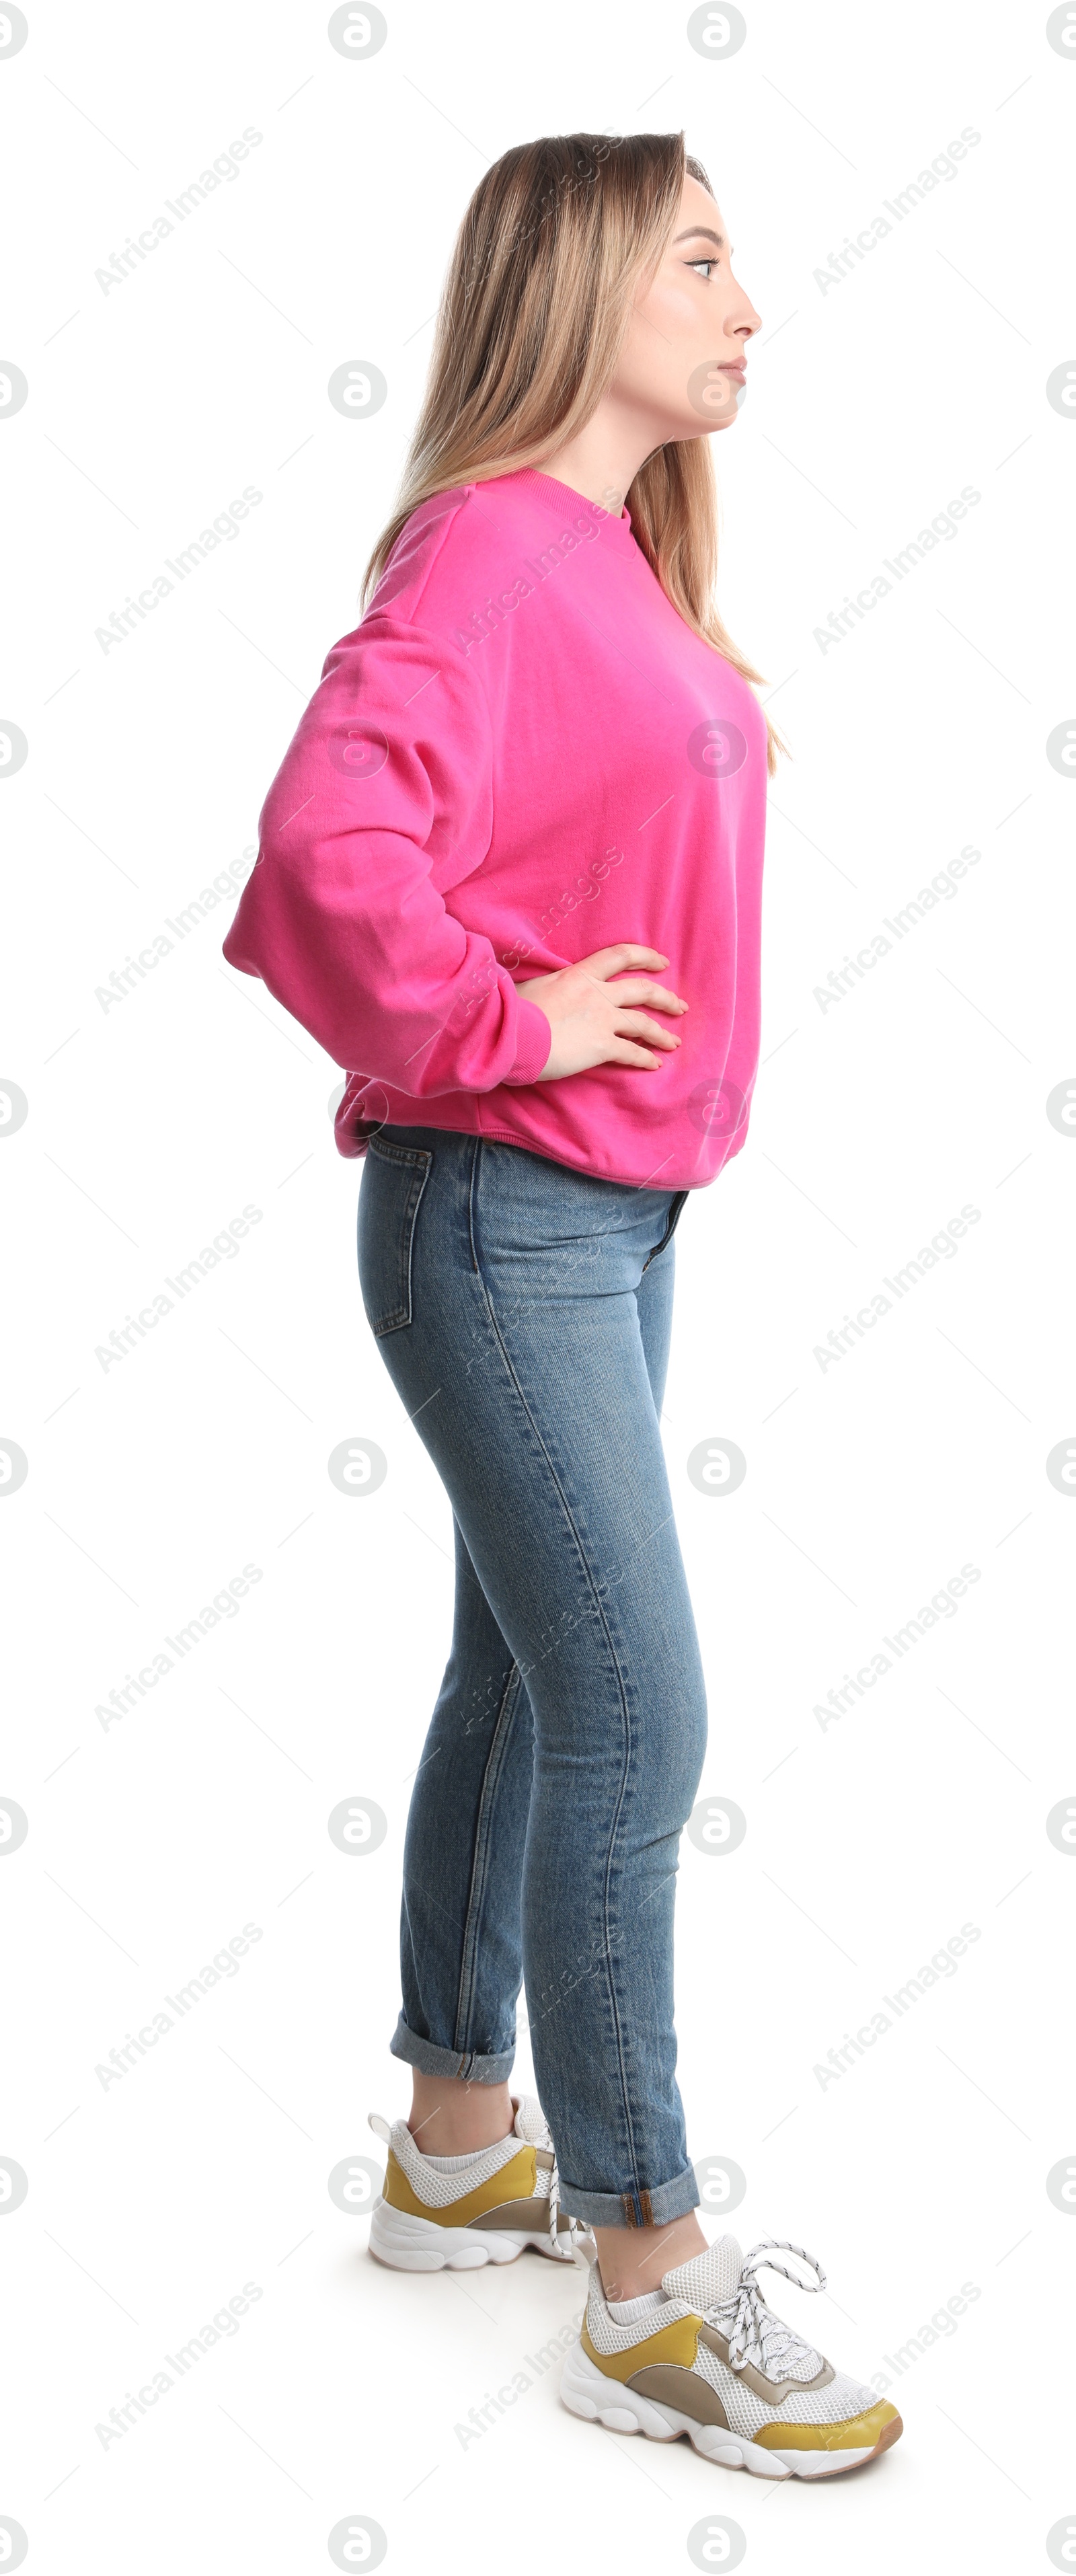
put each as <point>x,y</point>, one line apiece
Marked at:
<point>546,487</point>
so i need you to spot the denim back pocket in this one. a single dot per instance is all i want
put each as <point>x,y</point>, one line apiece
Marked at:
<point>392,1185</point>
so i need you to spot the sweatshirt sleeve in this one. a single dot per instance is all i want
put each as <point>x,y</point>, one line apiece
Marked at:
<point>384,802</point>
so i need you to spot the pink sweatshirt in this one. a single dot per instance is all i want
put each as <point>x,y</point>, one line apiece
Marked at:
<point>521,755</point>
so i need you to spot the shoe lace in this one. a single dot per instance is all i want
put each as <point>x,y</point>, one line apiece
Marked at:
<point>754,2333</point>
<point>531,2124</point>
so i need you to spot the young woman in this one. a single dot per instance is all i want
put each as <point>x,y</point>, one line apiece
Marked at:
<point>509,877</point>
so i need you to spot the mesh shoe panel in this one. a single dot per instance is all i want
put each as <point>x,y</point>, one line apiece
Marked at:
<point>438,2189</point>
<point>841,2398</point>
<point>608,2334</point>
<point>709,2285</point>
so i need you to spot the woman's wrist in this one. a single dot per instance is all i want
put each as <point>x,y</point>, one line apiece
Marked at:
<point>534,1042</point>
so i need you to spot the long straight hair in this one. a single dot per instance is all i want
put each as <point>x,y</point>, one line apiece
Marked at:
<point>537,300</point>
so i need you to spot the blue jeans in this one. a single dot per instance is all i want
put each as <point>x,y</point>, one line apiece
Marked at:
<point>523,1311</point>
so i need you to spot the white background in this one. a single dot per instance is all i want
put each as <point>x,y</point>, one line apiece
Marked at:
<point>151,1483</point>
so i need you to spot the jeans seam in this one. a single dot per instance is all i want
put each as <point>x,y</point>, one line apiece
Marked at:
<point>480,1866</point>
<point>475,1155</point>
<point>589,1579</point>
<point>385,1152</point>
<point>419,1161</point>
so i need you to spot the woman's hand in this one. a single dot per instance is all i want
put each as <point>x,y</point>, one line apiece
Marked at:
<point>595,1021</point>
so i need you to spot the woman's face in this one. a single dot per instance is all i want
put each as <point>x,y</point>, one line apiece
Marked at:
<point>685,354</point>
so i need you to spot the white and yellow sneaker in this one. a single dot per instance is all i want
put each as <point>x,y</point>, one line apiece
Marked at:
<point>705,2356</point>
<point>455,2212</point>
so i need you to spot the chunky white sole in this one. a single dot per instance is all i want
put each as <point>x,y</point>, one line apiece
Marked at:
<point>586,2391</point>
<point>420,2245</point>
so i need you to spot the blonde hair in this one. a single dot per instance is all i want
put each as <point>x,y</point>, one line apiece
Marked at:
<point>536,303</point>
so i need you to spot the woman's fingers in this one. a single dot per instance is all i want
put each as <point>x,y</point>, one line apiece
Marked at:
<point>612,961</point>
<point>636,1024</point>
<point>621,1051</point>
<point>639,988</point>
<point>587,1029</point>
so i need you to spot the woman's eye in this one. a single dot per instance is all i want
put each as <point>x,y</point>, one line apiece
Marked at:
<point>704,264</point>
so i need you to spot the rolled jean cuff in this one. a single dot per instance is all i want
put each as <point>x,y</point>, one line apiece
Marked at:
<point>632,2208</point>
<point>450,2061</point>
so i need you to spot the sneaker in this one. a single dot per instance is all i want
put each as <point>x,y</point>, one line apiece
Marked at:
<point>705,2356</point>
<point>455,2212</point>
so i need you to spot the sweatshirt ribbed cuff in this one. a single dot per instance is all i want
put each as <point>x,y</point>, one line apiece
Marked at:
<point>534,1038</point>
